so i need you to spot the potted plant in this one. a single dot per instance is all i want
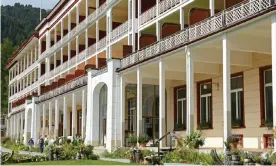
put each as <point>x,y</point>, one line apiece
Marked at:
<point>232,141</point>
<point>132,141</point>
<point>143,140</point>
<point>194,140</point>
<point>235,155</point>
<point>268,123</point>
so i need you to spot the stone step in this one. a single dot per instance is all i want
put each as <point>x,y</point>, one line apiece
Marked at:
<point>99,150</point>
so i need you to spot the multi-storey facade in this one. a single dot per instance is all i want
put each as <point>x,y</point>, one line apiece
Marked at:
<point>108,69</point>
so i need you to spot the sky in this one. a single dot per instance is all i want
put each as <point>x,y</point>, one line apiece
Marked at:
<point>46,4</point>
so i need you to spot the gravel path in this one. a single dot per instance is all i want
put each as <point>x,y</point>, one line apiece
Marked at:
<point>21,152</point>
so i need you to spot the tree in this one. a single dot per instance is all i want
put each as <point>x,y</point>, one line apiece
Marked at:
<point>7,49</point>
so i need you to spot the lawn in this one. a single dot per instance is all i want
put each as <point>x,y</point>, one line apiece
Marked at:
<point>75,162</point>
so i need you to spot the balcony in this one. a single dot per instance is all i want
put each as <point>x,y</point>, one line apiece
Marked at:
<point>78,29</point>
<point>78,82</point>
<point>163,7</point>
<point>87,53</point>
<point>222,20</point>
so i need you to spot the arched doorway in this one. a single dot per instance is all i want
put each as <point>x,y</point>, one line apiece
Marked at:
<point>102,114</point>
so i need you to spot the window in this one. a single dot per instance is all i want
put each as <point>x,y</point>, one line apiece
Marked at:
<point>132,115</point>
<point>204,117</point>
<point>266,95</point>
<point>268,141</point>
<point>2,121</point>
<point>180,108</point>
<point>240,137</point>
<point>237,112</point>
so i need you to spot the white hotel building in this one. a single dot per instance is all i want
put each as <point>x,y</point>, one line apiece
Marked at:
<point>105,69</point>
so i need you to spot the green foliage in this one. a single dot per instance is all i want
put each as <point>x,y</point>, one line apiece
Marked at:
<point>143,139</point>
<point>122,153</point>
<point>132,139</point>
<point>17,24</point>
<point>188,156</point>
<point>230,140</point>
<point>268,123</point>
<point>194,140</point>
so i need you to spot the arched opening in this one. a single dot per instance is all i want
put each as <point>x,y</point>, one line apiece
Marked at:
<point>102,114</point>
<point>150,111</point>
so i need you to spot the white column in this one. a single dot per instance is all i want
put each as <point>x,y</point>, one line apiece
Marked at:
<point>86,9</point>
<point>61,55</point>
<point>43,120</point>
<point>212,7</point>
<point>28,59</point>
<point>35,53</point>
<point>56,117</point>
<point>31,56</point>
<point>182,18</point>
<point>77,46</point>
<point>69,22</point>
<point>273,46</point>
<point>21,127</point>
<point>50,119</point>
<point>69,50</point>
<point>55,60</point>
<point>61,28</point>
<point>74,111</point>
<point>226,88</point>
<point>14,126</point>
<point>162,98</point>
<point>157,9</point>
<point>65,132</point>
<point>86,42</point>
<point>18,126</point>
<point>77,15</point>
<point>133,23</point>
<point>83,118</point>
<point>122,106</point>
<point>158,31</point>
<point>55,33</point>
<point>139,102</point>
<point>190,92</point>
<point>97,34</point>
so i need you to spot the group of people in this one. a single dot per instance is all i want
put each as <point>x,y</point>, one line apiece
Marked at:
<point>41,142</point>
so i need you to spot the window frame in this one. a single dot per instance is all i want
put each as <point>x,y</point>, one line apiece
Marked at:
<point>240,74</point>
<point>266,137</point>
<point>199,103</point>
<point>262,92</point>
<point>176,127</point>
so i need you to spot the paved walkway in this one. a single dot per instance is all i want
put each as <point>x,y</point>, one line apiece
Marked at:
<point>21,152</point>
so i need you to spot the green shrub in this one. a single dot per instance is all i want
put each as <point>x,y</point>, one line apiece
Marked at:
<point>143,139</point>
<point>194,140</point>
<point>123,153</point>
<point>188,156</point>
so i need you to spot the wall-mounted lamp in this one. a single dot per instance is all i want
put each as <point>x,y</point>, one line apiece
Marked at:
<point>214,83</point>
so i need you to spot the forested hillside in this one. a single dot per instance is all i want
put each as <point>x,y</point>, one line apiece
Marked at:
<point>17,24</point>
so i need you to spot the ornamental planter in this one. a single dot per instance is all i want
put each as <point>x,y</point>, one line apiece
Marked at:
<point>144,144</point>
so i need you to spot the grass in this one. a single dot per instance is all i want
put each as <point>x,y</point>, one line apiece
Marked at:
<point>74,162</point>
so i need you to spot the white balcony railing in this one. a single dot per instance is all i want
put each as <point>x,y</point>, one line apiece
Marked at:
<point>82,55</point>
<point>221,20</point>
<point>81,81</point>
<point>147,15</point>
<point>120,31</point>
<point>166,5</point>
<point>101,44</point>
<point>79,28</point>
